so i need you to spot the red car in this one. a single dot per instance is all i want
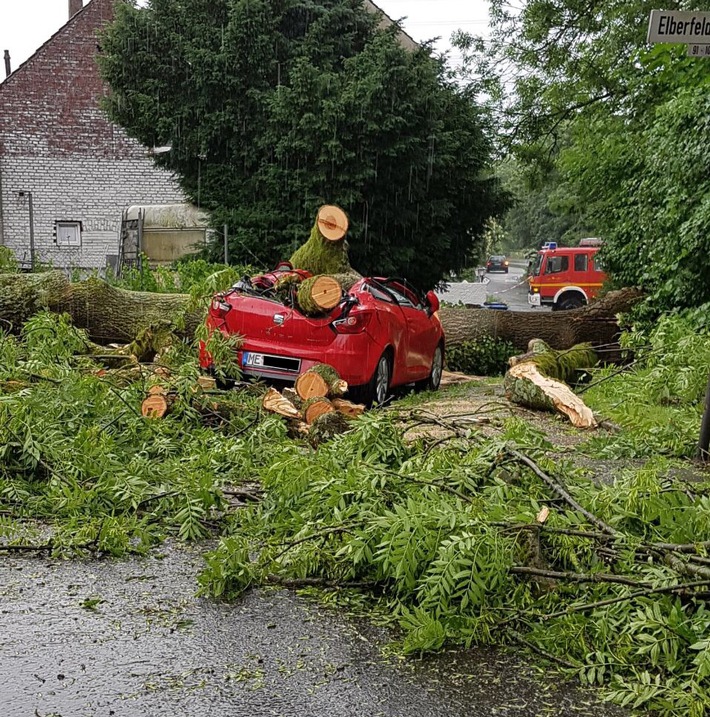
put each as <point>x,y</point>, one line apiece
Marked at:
<point>382,334</point>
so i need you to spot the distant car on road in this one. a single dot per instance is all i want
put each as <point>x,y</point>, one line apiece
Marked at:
<point>383,333</point>
<point>497,262</point>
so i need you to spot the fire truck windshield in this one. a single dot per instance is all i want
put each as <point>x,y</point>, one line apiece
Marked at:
<point>537,263</point>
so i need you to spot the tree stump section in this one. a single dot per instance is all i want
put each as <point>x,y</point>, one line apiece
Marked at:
<point>316,407</point>
<point>319,295</point>
<point>157,404</point>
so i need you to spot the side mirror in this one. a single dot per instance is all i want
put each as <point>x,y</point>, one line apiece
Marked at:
<point>432,301</point>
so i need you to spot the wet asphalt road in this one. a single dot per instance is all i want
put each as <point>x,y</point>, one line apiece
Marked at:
<point>511,288</point>
<point>130,639</point>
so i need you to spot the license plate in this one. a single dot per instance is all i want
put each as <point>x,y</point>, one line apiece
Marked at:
<point>251,359</point>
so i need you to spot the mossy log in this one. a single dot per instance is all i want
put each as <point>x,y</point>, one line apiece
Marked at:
<point>117,315</point>
<point>319,295</point>
<point>595,323</point>
<point>322,256</point>
<point>320,381</point>
<point>108,314</point>
<point>326,426</point>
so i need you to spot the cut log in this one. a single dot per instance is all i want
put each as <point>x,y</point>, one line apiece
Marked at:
<point>348,408</point>
<point>525,385</point>
<point>319,295</point>
<point>316,407</point>
<point>274,402</point>
<point>311,385</point>
<point>207,383</point>
<point>320,380</point>
<point>156,405</point>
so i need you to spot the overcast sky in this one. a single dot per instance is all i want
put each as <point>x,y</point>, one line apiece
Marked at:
<point>26,24</point>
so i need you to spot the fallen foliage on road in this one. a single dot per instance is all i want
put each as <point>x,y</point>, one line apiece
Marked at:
<point>483,532</point>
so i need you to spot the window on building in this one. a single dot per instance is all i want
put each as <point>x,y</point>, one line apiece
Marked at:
<point>556,264</point>
<point>580,262</point>
<point>68,233</point>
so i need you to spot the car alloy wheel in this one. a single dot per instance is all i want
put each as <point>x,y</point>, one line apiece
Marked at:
<point>437,366</point>
<point>382,380</point>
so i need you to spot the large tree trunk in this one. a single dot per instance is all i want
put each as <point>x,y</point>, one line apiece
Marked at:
<point>595,323</point>
<point>116,315</point>
<point>107,313</point>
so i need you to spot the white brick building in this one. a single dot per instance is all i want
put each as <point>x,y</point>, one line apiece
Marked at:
<point>66,172</point>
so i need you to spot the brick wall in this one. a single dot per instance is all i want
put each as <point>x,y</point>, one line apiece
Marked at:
<point>56,143</point>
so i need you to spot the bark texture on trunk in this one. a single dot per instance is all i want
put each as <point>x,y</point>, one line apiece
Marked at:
<point>117,315</point>
<point>595,323</point>
<point>107,313</point>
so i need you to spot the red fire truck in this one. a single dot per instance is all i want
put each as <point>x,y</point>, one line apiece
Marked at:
<point>565,277</point>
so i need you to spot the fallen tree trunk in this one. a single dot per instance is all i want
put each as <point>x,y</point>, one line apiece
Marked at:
<point>117,315</point>
<point>595,323</point>
<point>108,314</point>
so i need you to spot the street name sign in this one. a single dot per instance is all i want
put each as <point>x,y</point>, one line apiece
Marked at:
<point>686,28</point>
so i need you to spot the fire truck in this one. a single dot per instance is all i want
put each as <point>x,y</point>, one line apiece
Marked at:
<point>566,277</point>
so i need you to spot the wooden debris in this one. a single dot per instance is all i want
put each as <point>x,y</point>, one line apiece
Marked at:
<point>156,405</point>
<point>274,402</point>
<point>525,385</point>
<point>315,407</point>
<point>348,408</point>
<point>207,383</point>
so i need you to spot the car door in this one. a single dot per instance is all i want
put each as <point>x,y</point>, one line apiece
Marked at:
<point>421,332</point>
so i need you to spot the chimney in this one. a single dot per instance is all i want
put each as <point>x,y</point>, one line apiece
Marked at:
<point>8,67</point>
<point>74,7</point>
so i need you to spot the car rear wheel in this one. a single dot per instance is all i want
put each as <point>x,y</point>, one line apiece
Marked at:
<point>433,381</point>
<point>378,389</point>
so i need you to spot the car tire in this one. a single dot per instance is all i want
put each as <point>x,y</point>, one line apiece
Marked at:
<point>433,381</point>
<point>377,390</point>
<point>568,303</point>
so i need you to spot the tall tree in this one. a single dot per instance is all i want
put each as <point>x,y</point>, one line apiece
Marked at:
<point>275,107</point>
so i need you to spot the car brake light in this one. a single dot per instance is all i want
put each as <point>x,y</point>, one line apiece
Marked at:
<point>354,323</point>
<point>220,308</point>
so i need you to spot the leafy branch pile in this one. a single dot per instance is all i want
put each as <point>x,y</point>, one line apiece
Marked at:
<point>476,540</point>
<point>659,401</point>
<point>76,455</point>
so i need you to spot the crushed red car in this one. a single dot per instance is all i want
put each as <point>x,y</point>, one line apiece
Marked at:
<point>382,334</point>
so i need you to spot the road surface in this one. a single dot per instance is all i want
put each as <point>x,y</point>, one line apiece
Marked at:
<point>510,288</point>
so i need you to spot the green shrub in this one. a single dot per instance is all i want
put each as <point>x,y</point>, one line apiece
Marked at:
<point>486,356</point>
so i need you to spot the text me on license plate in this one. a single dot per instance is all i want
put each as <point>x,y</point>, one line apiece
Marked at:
<point>251,359</point>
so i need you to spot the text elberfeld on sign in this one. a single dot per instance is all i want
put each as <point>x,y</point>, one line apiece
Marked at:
<point>679,27</point>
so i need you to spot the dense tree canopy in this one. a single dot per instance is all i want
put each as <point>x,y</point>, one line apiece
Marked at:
<point>622,125</point>
<point>274,107</point>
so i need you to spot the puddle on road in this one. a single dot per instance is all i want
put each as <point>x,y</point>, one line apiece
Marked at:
<point>130,639</point>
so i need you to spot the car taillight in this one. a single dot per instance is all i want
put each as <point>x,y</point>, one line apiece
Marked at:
<point>220,308</point>
<point>354,323</point>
